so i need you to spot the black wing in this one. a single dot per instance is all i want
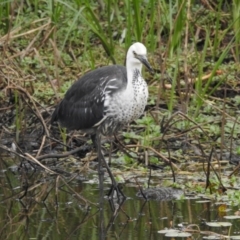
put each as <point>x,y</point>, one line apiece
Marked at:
<point>83,104</point>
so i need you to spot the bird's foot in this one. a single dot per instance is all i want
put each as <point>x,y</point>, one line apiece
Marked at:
<point>116,192</point>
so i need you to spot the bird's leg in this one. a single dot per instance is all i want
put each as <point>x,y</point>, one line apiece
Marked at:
<point>96,142</point>
<point>101,160</point>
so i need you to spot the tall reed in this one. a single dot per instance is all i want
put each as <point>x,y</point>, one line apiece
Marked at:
<point>5,14</point>
<point>236,27</point>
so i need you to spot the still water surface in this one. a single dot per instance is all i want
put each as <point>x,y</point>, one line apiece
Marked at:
<point>40,206</point>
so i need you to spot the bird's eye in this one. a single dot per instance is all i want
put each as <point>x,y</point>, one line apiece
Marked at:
<point>134,53</point>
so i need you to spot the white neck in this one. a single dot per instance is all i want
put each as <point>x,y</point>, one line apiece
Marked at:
<point>131,68</point>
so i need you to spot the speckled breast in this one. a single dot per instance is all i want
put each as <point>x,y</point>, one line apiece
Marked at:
<point>125,106</point>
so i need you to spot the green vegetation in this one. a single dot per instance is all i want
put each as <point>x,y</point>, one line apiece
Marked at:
<point>193,47</point>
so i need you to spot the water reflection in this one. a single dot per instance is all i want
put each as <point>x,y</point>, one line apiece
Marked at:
<point>36,205</point>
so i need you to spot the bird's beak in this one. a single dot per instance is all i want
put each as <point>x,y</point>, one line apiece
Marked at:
<point>143,59</point>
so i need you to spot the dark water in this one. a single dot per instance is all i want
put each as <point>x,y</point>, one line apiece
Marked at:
<point>43,206</point>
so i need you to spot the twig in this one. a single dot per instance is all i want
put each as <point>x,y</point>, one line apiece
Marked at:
<point>33,159</point>
<point>185,116</point>
<point>156,152</point>
<point>58,155</point>
<point>76,194</point>
<point>28,157</point>
<point>41,147</point>
<point>25,33</point>
<point>33,102</point>
<point>234,171</point>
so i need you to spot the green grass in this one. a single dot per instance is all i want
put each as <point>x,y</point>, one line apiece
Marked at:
<point>236,27</point>
<point>5,23</point>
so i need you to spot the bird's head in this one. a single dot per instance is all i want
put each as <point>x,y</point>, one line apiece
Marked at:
<point>137,55</point>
